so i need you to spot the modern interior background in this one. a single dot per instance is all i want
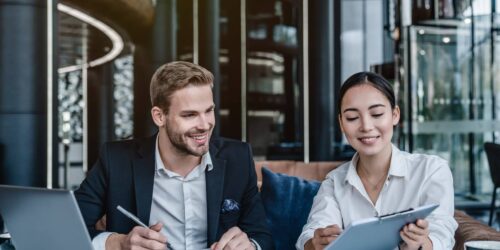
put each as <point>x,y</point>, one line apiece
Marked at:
<point>74,74</point>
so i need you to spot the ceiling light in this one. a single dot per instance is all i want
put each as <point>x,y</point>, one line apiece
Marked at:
<point>115,38</point>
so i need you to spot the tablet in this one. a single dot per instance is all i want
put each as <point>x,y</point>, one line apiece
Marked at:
<point>379,233</point>
<point>43,219</point>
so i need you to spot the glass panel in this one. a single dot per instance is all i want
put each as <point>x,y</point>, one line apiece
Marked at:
<point>495,92</point>
<point>274,89</point>
<point>374,32</point>
<point>362,37</point>
<point>451,65</point>
<point>353,50</point>
<point>123,95</point>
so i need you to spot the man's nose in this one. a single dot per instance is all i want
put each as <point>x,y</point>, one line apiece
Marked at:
<point>204,122</point>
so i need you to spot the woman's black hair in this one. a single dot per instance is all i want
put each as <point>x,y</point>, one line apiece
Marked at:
<point>373,79</point>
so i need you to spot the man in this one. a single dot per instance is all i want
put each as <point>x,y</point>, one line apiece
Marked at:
<point>194,192</point>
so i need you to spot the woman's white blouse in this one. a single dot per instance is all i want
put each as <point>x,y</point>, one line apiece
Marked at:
<point>413,180</point>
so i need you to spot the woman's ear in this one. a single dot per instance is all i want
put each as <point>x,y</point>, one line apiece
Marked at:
<point>396,115</point>
<point>159,118</point>
<point>340,123</point>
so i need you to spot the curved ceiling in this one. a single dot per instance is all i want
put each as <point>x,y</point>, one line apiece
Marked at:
<point>133,17</point>
<point>84,29</point>
<point>82,37</point>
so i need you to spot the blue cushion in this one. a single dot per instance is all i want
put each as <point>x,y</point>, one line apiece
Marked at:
<point>287,201</point>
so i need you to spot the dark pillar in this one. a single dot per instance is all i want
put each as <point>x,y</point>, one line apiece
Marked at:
<point>291,113</point>
<point>209,47</point>
<point>100,109</point>
<point>164,32</point>
<point>231,79</point>
<point>322,75</point>
<point>143,70</point>
<point>153,48</point>
<point>23,92</point>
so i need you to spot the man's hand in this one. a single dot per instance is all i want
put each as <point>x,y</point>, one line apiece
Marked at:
<point>138,238</point>
<point>322,237</point>
<point>233,239</point>
<point>416,235</point>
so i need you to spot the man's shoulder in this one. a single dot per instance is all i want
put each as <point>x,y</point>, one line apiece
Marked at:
<point>128,144</point>
<point>227,143</point>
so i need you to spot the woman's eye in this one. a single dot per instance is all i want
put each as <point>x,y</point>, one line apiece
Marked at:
<point>377,115</point>
<point>350,119</point>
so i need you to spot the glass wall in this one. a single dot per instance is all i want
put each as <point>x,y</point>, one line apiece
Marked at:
<point>449,95</point>
<point>261,86</point>
<point>274,87</point>
<point>362,36</point>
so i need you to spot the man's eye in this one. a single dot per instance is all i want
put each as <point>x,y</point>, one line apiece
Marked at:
<point>188,115</point>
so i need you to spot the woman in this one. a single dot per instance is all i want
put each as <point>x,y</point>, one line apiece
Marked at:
<point>380,179</point>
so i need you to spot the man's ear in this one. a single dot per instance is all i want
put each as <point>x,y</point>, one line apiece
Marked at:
<point>159,118</point>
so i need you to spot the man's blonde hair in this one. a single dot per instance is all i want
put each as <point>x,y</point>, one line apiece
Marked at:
<point>173,76</point>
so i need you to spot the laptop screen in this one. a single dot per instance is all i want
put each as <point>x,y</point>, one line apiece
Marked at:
<point>38,218</point>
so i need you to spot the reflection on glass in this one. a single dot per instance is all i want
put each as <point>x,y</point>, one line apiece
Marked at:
<point>451,101</point>
<point>274,91</point>
<point>123,95</point>
<point>70,99</point>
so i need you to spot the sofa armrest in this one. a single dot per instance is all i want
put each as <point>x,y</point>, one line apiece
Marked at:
<point>471,229</point>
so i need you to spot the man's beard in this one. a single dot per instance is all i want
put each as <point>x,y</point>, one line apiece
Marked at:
<point>182,146</point>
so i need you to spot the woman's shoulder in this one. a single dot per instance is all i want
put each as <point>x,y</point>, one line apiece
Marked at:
<point>427,160</point>
<point>340,172</point>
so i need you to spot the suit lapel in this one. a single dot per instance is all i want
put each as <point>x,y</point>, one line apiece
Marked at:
<point>215,184</point>
<point>143,170</point>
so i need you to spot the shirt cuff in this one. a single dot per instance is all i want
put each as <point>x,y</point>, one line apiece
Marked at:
<point>303,238</point>
<point>256,244</point>
<point>99,242</point>
<point>436,243</point>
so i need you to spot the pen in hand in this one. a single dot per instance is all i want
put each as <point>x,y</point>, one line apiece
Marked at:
<point>136,220</point>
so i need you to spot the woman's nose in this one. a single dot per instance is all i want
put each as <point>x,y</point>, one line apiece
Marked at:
<point>366,124</point>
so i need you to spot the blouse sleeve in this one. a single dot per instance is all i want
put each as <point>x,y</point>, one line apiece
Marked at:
<point>324,212</point>
<point>438,188</point>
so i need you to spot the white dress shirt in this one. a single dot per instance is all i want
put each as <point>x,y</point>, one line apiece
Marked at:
<point>413,180</point>
<point>180,203</point>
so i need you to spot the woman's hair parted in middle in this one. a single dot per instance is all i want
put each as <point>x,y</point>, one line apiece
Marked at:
<point>372,79</point>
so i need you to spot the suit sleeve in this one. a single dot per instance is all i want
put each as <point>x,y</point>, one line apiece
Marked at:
<point>253,221</point>
<point>91,194</point>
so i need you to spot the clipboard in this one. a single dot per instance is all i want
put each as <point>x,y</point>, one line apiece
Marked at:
<point>379,233</point>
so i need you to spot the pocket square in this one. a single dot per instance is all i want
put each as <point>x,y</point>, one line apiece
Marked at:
<point>230,205</point>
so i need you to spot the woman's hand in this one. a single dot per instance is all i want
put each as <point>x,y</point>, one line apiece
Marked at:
<point>322,237</point>
<point>416,236</point>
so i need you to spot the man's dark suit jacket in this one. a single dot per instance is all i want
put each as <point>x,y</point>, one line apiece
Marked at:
<point>124,175</point>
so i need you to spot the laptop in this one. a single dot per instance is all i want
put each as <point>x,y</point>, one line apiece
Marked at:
<point>44,219</point>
